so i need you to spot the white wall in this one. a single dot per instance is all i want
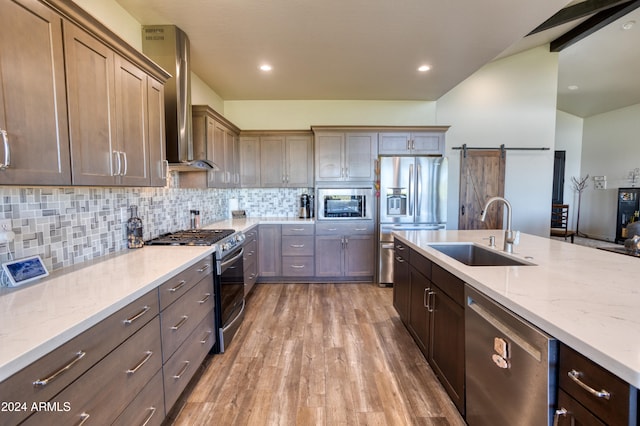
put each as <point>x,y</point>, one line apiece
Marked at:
<point>609,148</point>
<point>569,132</point>
<point>511,101</point>
<point>300,115</point>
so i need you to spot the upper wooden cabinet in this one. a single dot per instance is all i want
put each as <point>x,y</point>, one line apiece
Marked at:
<point>276,159</point>
<point>345,156</point>
<point>33,106</point>
<point>106,107</point>
<point>412,143</point>
<point>158,165</point>
<point>216,139</point>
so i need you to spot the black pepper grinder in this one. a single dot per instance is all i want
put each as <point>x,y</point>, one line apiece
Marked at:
<point>134,229</point>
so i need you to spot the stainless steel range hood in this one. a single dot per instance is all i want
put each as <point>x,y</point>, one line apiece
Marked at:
<point>168,46</point>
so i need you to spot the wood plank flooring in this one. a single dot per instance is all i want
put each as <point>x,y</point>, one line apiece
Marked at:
<point>318,354</point>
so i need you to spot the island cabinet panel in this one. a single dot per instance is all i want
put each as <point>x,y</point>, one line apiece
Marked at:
<point>33,103</point>
<point>52,373</point>
<point>434,316</point>
<point>401,281</point>
<point>576,373</point>
<point>104,391</point>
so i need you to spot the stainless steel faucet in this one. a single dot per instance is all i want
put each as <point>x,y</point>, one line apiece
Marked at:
<point>509,235</point>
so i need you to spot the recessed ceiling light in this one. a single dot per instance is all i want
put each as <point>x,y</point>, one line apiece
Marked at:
<point>424,68</point>
<point>628,25</point>
<point>572,87</point>
<point>265,67</point>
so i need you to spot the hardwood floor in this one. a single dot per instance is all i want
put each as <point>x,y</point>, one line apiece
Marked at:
<point>318,354</point>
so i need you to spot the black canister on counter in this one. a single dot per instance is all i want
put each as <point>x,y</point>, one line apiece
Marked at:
<point>134,229</point>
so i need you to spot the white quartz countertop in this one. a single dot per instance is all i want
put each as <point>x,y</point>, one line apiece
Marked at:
<point>587,298</point>
<point>38,317</point>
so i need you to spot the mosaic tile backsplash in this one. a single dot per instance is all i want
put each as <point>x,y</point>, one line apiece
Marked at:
<point>70,225</point>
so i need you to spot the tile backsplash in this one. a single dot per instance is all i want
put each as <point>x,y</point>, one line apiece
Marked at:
<point>70,225</point>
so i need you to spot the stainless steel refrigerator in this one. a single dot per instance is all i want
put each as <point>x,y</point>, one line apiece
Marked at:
<point>413,195</point>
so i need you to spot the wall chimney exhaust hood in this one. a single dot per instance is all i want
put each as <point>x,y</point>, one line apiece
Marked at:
<point>168,46</point>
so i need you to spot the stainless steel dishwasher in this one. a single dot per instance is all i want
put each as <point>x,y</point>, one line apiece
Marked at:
<point>510,366</point>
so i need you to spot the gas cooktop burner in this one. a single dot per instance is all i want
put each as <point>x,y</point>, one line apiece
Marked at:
<point>192,237</point>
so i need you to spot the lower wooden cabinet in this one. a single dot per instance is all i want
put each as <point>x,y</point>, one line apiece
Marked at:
<point>250,260</point>
<point>430,301</point>
<point>106,389</point>
<point>345,250</point>
<point>147,408</point>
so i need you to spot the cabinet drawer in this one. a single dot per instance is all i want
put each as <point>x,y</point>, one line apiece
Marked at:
<point>94,343</point>
<point>297,266</point>
<point>614,410</point>
<point>175,287</point>
<point>147,408</point>
<point>298,229</point>
<point>183,316</point>
<point>250,252</point>
<point>345,228</point>
<point>448,283</point>
<point>107,388</point>
<point>184,363</point>
<point>420,262</point>
<point>575,414</point>
<point>252,234</point>
<point>297,246</point>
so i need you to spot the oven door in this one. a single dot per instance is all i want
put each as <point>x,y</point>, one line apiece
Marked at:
<point>230,288</point>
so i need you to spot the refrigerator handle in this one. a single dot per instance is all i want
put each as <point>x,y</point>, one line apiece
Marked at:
<point>418,189</point>
<point>411,194</point>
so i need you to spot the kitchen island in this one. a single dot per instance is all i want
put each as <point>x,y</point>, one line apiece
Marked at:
<point>586,298</point>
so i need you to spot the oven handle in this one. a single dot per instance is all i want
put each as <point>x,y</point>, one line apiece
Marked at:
<point>226,327</point>
<point>222,266</point>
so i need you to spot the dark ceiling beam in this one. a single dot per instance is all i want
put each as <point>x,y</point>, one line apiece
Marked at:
<point>593,24</point>
<point>576,11</point>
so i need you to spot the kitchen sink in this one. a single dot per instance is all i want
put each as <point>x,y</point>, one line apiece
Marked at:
<point>474,255</point>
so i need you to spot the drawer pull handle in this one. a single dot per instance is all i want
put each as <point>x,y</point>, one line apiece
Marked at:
<point>399,247</point>
<point>297,245</point>
<point>206,297</point>
<point>179,375</point>
<point>148,419</point>
<point>575,376</point>
<point>204,268</point>
<point>141,363</point>
<point>399,259</point>
<point>360,229</point>
<point>559,412</point>
<point>206,337</point>
<point>177,287</point>
<point>297,229</point>
<point>332,229</point>
<point>298,266</point>
<point>83,418</point>
<point>181,323</point>
<point>136,316</point>
<point>52,377</point>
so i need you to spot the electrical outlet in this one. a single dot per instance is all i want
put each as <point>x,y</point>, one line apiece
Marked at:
<point>5,224</point>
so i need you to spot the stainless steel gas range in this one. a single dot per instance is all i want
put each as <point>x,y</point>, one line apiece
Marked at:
<point>228,277</point>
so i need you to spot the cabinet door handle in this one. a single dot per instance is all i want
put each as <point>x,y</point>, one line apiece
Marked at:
<point>148,419</point>
<point>141,363</point>
<point>7,150</point>
<point>575,376</point>
<point>180,323</point>
<point>143,311</point>
<point>431,308</point>
<point>297,245</point>
<point>424,297</point>
<point>184,369</point>
<point>556,416</point>
<point>126,164</point>
<point>206,297</point>
<point>165,171</point>
<point>40,383</point>
<point>177,287</point>
<point>206,337</point>
<point>119,169</point>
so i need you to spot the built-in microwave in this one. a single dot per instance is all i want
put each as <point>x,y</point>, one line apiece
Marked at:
<point>344,203</point>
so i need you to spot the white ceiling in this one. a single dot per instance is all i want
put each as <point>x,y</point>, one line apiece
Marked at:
<point>360,49</point>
